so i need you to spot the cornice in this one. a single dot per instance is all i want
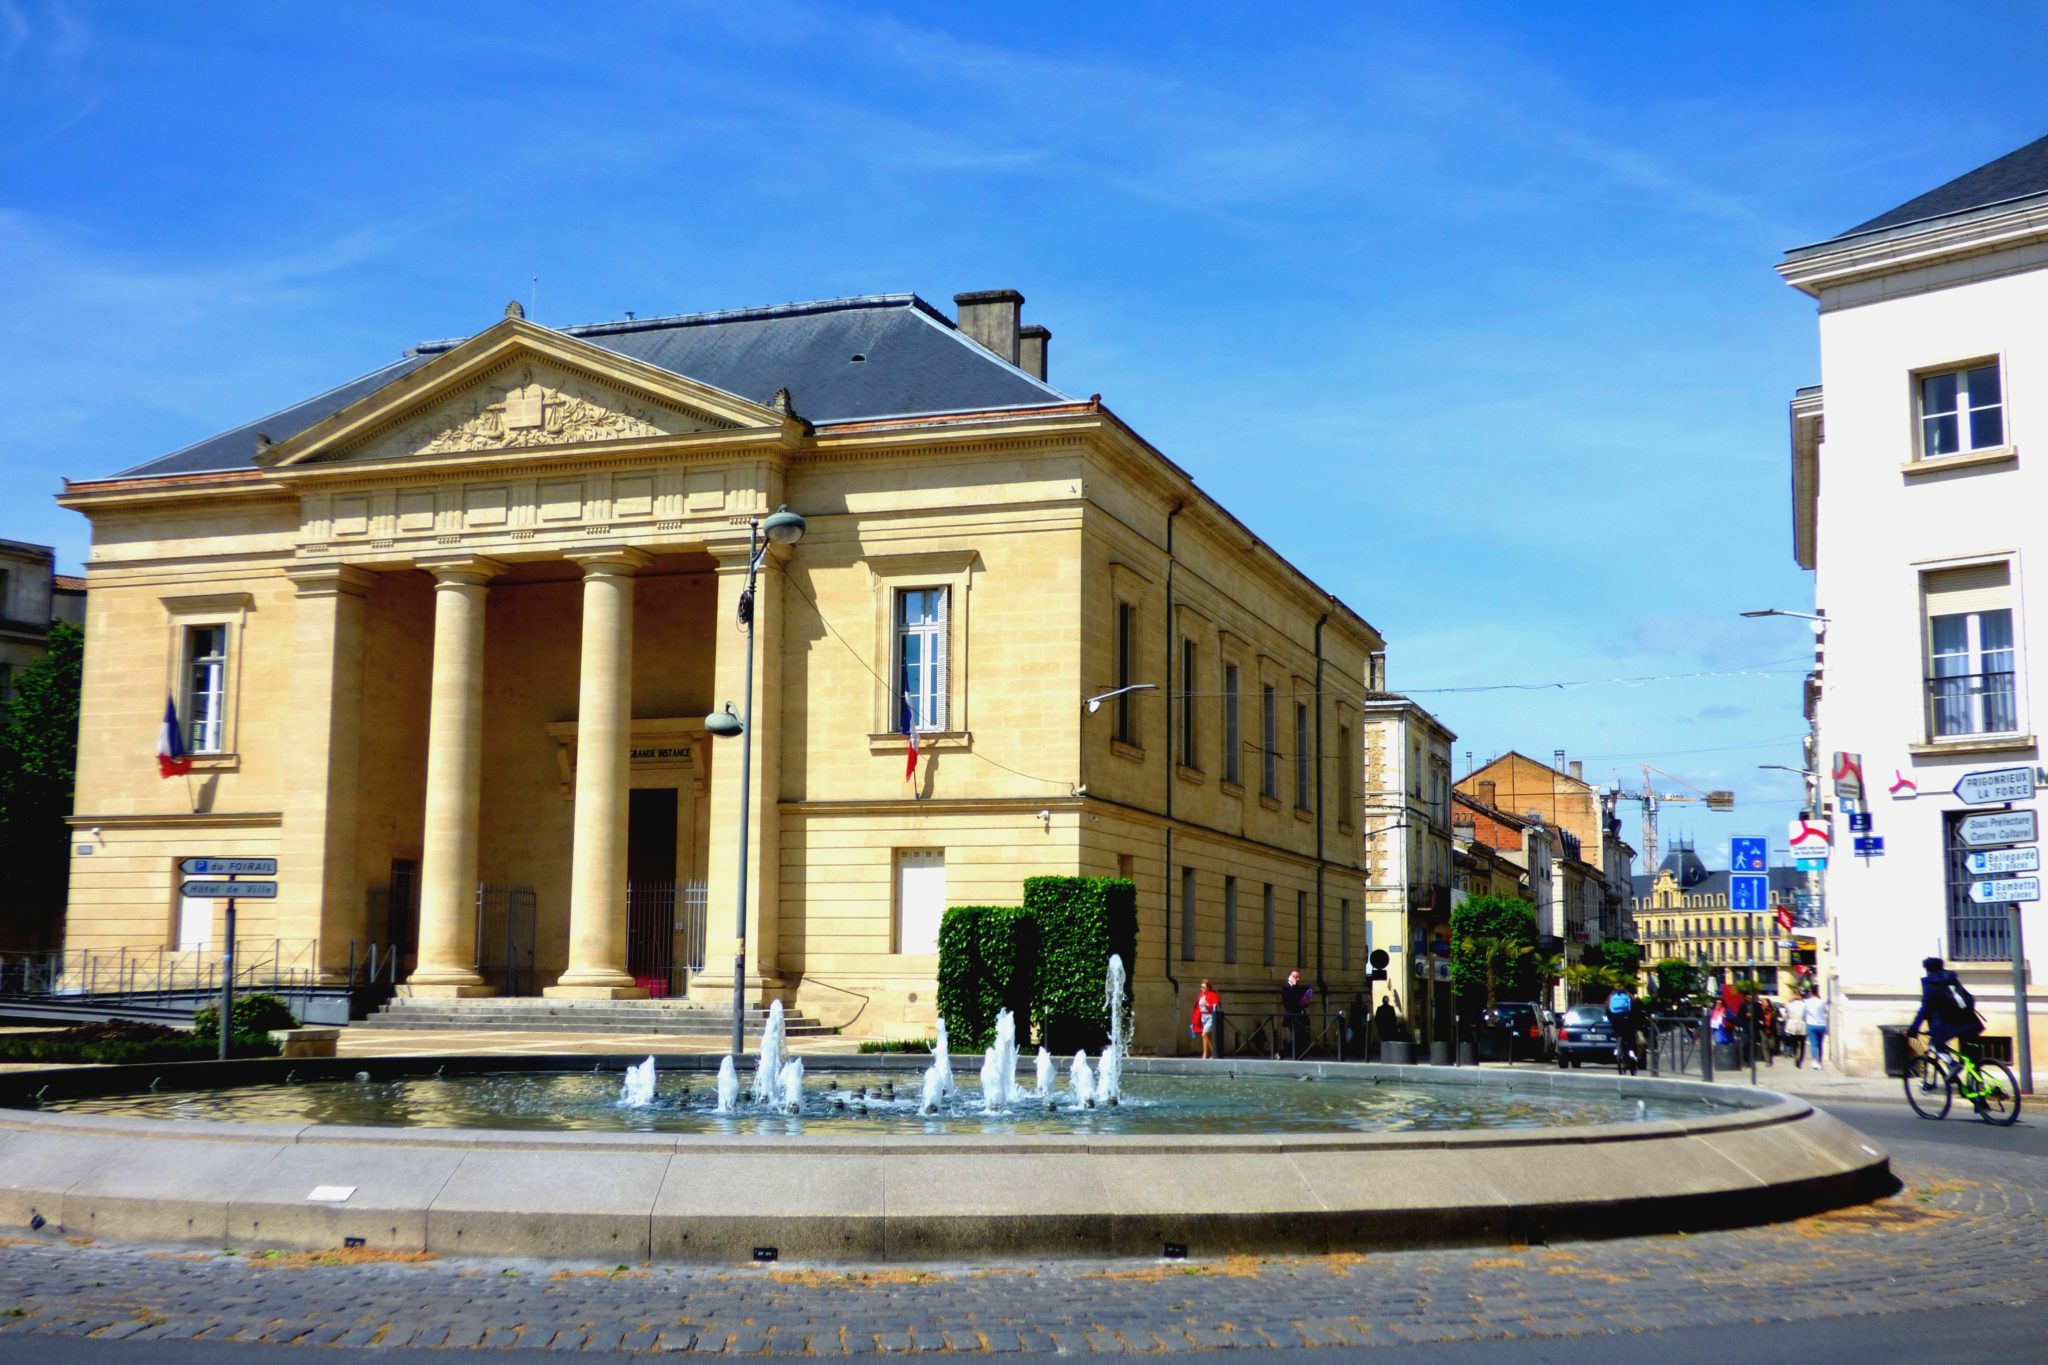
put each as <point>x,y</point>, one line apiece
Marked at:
<point>1811,270</point>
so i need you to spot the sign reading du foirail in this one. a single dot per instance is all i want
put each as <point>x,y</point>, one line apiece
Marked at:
<point>1992,785</point>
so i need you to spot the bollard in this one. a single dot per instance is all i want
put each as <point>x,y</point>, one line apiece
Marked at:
<point>1395,1053</point>
<point>1468,1055</point>
<point>1439,1054</point>
<point>1706,1036</point>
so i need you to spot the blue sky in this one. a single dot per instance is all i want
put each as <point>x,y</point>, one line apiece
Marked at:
<point>1468,309</point>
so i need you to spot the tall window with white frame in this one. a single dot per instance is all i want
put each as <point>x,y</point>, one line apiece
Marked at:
<point>921,658</point>
<point>206,684</point>
<point>1187,914</point>
<point>1269,742</point>
<point>1972,667</point>
<point>1230,919</point>
<point>1961,410</point>
<point>1233,735</point>
<point>1304,756</point>
<point>1126,646</point>
<point>1189,755</point>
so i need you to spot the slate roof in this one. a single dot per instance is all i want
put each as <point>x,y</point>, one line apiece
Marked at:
<point>913,362</point>
<point>2016,175</point>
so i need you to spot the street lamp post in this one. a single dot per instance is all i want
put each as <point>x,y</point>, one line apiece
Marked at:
<point>781,527</point>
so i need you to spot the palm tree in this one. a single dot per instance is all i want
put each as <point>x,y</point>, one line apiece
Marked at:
<point>1496,953</point>
<point>1550,968</point>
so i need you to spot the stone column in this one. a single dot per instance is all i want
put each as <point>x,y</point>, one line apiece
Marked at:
<point>321,895</point>
<point>764,845</point>
<point>455,717</point>
<point>604,736</point>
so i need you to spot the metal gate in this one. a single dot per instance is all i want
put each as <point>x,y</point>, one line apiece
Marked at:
<point>505,915</point>
<point>664,934</point>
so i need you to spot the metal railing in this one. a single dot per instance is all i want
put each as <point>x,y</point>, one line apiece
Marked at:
<point>131,973</point>
<point>1973,704</point>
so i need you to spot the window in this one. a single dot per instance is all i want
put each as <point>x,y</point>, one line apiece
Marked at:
<point>1266,928</point>
<point>921,658</point>
<point>1345,793</point>
<point>206,673</point>
<point>1304,757</point>
<point>1269,739</point>
<point>1972,683</point>
<point>1233,737</point>
<point>920,899</point>
<point>1344,933</point>
<point>1187,705</point>
<point>1976,933</point>
<point>1230,919</point>
<point>1961,410</point>
<point>1301,946</point>
<point>1126,627</point>
<point>6,681</point>
<point>1187,914</point>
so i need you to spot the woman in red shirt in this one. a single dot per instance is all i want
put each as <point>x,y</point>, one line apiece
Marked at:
<point>1203,1022</point>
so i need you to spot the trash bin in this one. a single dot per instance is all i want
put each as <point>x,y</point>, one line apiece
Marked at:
<point>1897,1051</point>
<point>1394,1052</point>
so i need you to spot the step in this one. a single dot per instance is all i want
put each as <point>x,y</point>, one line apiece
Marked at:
<point>479,1025</point>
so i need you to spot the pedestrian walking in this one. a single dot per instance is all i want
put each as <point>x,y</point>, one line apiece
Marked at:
<point>1387,1025</point>
<point>1817,1027</point>
<point>1795,1030</point>
<point>1203,1022</point>
<point>1294,998</point>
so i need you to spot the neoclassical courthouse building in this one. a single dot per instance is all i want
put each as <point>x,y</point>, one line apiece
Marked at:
<point>442,640</point>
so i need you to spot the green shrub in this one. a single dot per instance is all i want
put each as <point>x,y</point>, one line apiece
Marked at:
<point>121,1041</point>
<point>1081,921</point>
<point>1677,982</point>
<point>1493,945</point>
<point>255,1016</point>
<point>1009,948</point>
<point>960,977</point>
<point>1622,956</point>
<point>918,1045</point>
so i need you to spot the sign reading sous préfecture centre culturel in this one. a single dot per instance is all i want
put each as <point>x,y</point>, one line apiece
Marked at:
<point>1994,827</point>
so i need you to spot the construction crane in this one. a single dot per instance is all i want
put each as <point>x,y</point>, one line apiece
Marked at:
<point>1650,799</point>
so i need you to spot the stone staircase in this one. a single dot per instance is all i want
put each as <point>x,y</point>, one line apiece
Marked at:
<point>670,1018</point>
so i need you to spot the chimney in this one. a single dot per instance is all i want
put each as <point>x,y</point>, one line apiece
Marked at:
<point>1376,672</point>
<point>1578,771</point>
<point>990,317</point>
<point>1486,794</point>
<point>1031,344</point>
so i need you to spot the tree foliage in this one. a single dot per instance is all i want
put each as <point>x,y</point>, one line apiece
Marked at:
<point>1677,981</point>
<point>1619,954</point>
<point>1081,921</point>
<point>1493,948</point>
<point>38,760</point>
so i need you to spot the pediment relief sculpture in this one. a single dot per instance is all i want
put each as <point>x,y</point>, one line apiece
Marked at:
<point>530,406</point>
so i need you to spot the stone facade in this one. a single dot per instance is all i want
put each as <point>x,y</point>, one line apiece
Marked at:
<point>468,620</point>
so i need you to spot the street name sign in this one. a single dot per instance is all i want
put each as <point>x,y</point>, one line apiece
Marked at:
<point>1748,855</point>
<point>1989,786</point>
<point>229,867</point>
<point>1870,845</point>
<point>1997,862</point>
<point>1998,827</point>
<point>221,891</point>
<point>1859,822</point>
<point>2006,890</point>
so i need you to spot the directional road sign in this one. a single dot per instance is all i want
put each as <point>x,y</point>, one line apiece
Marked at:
<point>1998,827</point>
<point>1989,786</point>
<point>221,891</point>
<point>1748,855</point>
<point>1746,892</point>
<point>2005,890</point>
<point>229,867</point>
<point>1999,862</point>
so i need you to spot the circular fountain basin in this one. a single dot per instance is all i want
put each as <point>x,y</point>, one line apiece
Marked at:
<point>535,1156</point>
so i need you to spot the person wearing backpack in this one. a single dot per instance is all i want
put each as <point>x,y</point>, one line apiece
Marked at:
<point>1628,1024</point>
<point>1948,1009</point>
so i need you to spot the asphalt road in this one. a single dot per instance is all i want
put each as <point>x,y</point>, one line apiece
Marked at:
<point>1953,1267</point>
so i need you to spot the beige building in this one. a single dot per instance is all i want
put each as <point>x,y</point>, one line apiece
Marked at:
<point>443,641</point>
<point>33,597</point>
<point>1682,911</point>
<point>1408,856</point>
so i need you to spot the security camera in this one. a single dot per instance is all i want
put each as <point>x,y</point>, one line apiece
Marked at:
<point>1046,816</point>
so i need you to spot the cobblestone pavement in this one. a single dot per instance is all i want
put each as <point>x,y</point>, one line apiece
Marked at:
<point>1970,1227</point>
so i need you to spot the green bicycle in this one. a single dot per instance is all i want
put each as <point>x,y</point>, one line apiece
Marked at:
<point>1936,1076</point>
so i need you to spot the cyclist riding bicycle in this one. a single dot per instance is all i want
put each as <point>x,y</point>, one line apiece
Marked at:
<point>1949,1011</point>
<point>1628,1024</point>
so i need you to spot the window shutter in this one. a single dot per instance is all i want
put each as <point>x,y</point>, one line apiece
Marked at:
<point>1980,587</point>
<point>941,664</point>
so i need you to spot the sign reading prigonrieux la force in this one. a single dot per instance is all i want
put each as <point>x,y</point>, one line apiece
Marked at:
<point>1989,786</point>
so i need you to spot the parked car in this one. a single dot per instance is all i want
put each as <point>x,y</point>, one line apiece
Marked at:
<point>1516,1030</point>
<point>1587,1035</point>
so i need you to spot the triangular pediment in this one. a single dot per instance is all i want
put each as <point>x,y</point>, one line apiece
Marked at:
<point>515,389</point>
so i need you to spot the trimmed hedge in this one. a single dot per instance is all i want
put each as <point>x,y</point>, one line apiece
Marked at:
<point>960,977</point>
<point>123,1041</point>
<point>1009,950</point>
<point>1081,921</point>
<point>255,1015</point>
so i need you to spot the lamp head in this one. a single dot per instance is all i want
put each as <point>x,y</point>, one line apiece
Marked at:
<point>723,724</point>
<point>783,526</point>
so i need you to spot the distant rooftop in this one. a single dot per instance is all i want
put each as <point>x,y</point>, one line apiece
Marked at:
<point>843,360</point>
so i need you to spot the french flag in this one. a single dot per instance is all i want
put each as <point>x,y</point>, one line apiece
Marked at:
<point>171,758</point>
<point>909,728</point>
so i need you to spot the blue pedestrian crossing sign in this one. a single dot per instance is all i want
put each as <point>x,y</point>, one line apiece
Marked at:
<point>1748,855</point>
<point>1747,892</point>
